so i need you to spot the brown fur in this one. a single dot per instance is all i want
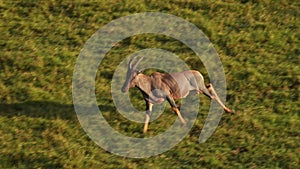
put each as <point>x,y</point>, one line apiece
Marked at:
<point>159,87</point>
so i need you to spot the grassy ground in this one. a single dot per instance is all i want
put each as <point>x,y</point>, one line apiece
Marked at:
<point>258,43</point>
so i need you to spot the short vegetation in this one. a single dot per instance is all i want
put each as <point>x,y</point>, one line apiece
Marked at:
<point>258,44</point>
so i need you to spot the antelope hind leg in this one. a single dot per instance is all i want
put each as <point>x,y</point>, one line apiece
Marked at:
<point>175,109</point>
<point>216,97</point>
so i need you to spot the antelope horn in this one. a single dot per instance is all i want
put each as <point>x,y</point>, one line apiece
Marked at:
<point>130,62</point>
<point>137,62</point>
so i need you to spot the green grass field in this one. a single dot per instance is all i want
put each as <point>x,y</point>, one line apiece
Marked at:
<point>258,43</point>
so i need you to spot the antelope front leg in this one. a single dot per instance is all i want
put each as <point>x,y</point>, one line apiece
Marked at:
<point>147,118</point>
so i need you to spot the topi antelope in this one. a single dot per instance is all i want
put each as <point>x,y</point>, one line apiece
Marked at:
<point>159,87</point>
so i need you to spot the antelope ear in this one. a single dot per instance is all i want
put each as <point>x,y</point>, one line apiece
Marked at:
<point>141,71</point>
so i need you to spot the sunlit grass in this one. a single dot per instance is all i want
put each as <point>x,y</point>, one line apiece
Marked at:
<point>258,44</point>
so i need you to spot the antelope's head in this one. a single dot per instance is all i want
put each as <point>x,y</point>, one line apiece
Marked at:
<point>132,73</point>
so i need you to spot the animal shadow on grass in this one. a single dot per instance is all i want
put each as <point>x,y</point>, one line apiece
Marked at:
<point>42,109</point>
<point>39,109</point>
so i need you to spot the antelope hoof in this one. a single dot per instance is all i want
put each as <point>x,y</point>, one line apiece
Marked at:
<point>229,111</point>
<point>145,130</point>
<point>183,123</point>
